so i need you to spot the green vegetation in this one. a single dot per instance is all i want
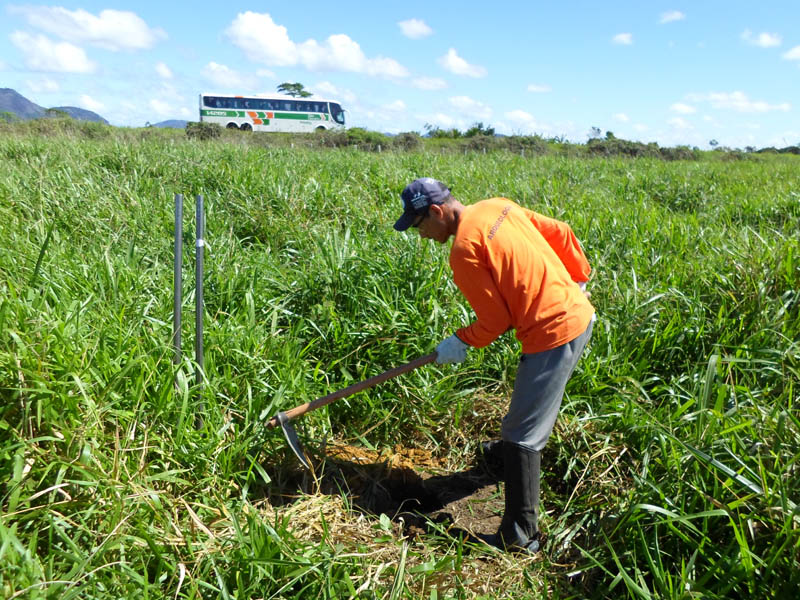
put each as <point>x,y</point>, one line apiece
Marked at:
<point>672,473</point>
<point>476,129</point>
<point>294,89</point>
<point>8,117</point>
<point>203,131</point>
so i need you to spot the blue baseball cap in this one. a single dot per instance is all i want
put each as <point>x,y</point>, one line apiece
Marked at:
<point>418,197</point>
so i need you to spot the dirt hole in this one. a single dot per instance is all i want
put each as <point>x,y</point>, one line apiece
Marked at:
<point>406,484</point>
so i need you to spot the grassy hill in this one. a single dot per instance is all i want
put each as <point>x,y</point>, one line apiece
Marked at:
<point>673,470</point>
<point>13,103</point>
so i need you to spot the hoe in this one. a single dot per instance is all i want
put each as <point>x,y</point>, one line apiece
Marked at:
<point>283,418</point>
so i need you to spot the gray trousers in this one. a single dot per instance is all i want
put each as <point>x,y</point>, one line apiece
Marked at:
<point>538,390</point>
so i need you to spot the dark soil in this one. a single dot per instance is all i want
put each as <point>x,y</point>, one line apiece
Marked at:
<point>408,485</point>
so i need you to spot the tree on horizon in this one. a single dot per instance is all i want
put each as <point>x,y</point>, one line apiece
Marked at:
<point>294,89</point>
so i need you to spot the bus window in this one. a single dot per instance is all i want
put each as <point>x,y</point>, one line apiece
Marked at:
<point>337,113</point>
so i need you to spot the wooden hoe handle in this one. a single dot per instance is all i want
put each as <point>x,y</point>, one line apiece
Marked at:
<point>355,388</point>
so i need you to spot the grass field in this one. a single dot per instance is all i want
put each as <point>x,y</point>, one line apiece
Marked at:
<point>672,473</point>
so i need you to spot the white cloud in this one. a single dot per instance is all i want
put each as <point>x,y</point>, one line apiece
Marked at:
<point>679,123</point>
<point>265,73</point>
<point>328,90</point>
<point>383,67</point>
<point>762,40</point>
<point>43,85</point>
<point>170,92</point>
<point>458,66</point>
<point>264,41</point>
<point>624,39</point>
<point>539,88</point>
<point>415,29</point>
<point>396,106</point>
<point>671,16</point>
<point>444,121</point>
<point>738,101</point>
<point>2,66</point>
<point>43,54</point>
<point>90,103</point>
<point>226,78</point>
<point>429,83</point>
<point>160,107</point>
<point>111,29</point>
<point>793,54</point>
<point>163,71</point>
<point>520,117</point>
<point>621,117</point>
<point>683,109</point>
<point>472,109</point>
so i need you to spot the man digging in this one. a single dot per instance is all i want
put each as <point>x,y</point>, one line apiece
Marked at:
<point>524,271</point>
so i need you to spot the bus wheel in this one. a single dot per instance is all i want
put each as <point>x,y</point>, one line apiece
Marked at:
<point>246,127</point>
<point>320,128</point>
<point>232,126</point>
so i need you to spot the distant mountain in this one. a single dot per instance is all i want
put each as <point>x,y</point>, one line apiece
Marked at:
<point>81,114</point>
<point>15,103</point>
<point>172,123</point>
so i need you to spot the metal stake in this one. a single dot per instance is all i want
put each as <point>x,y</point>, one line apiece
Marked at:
<point>177,280</point>
<point>198,312</point>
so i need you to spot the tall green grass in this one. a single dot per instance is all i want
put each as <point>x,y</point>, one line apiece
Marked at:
<point>673,472</point>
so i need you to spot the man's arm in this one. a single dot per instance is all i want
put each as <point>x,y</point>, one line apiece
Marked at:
<point>478,287</point>
<point>564,243</point>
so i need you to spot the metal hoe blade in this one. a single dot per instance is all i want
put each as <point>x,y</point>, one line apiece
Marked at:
<point>291,437</point>
<point>283,418</point>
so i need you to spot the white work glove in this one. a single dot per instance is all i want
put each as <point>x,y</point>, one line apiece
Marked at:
<point>451,350</point>
<point>582,285</point>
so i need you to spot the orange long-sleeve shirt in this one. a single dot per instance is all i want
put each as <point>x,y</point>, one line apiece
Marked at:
<point>518,269</point>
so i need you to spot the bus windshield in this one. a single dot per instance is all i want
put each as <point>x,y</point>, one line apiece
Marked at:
<point>337,113</point>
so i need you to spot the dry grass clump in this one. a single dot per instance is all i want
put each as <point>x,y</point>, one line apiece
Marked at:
<point>437,563</point>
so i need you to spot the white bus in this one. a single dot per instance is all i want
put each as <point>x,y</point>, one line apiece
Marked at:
<point>271,113</point>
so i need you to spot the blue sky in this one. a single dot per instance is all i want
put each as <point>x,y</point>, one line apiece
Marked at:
<point>672,72</point>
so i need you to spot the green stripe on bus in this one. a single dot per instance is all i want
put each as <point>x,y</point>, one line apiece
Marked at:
<point>295,116</point>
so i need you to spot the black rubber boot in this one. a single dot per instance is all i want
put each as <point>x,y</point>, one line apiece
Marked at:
<point>519,529</point>
<point>491,456</point>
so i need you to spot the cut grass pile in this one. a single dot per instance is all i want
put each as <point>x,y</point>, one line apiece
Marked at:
<point>672,473</point>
